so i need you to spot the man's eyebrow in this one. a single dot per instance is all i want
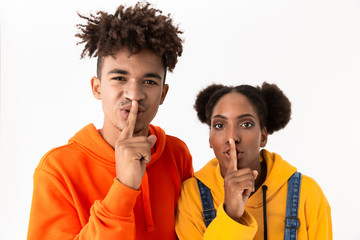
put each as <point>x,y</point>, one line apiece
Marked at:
<point>146,75</point>
<point>238,117</point>
<point>118,71</point>
<point>152,75</point>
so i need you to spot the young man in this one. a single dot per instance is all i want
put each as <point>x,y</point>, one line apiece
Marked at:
<point>122,181</point>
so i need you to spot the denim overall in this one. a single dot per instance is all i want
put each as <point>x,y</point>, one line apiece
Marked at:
<point>292,222</point>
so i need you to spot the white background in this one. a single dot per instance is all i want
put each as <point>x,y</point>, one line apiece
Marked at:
<point>310,48</point>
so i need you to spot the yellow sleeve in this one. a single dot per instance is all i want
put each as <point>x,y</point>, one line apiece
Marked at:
<point>317,211</point>
<point>224,227</point>
<point>190,225</point>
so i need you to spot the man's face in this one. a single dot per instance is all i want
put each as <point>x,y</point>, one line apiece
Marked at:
<point>124,78</point>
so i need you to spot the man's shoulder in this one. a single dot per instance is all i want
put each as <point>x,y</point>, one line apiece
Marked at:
<point>174,140</point>
<point>177,150</point>
<point>176,144</point>
<point>61,155</point>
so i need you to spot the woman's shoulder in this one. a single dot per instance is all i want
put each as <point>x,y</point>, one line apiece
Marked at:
<point>309,183</point>
<point>311,190</point>
<point>207,175</point>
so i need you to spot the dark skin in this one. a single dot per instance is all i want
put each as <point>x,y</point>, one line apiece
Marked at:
<point>236,138</point>
<point>131,90</point>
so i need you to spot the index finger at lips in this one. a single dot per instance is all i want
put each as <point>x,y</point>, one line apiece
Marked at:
<point>232,167</point>
<point>128,130</point>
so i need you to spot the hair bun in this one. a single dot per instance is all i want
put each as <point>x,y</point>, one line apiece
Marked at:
<point>203,98</point>
<point>278,105</point>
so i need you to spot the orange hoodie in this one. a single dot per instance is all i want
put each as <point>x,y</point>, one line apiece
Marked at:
<point>76,194</point>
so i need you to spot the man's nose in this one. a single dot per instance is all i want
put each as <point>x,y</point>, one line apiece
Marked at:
<point>133,90</point>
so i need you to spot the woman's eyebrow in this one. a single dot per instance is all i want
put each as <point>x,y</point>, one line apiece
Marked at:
<point>238,117</point>
<point>219,116</point>
<point>246,115</point>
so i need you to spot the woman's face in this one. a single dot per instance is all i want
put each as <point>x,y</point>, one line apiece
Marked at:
<point>235,117</point>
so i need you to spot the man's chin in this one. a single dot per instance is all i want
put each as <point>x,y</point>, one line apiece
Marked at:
<point>141,130</point>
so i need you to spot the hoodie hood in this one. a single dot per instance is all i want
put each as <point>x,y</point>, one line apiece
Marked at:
<point>278,173</point>
<point>90,140</point>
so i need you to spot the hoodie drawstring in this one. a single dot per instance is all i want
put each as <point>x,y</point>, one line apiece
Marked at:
<point>146,203</point>
<point>264,188</point>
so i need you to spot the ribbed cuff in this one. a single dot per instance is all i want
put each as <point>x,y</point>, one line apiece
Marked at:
<point>246,228</point>
<point>120,199</point>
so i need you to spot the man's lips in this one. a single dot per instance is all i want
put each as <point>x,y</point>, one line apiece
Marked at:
<point>125,111</point>
<point>128,107</point>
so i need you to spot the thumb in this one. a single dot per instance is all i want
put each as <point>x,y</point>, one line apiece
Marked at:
<point>152,140</point>
<point>255,174</point>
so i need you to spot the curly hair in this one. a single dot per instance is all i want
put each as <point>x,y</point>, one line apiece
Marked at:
<point>136,28</point>
<point>271,104</point>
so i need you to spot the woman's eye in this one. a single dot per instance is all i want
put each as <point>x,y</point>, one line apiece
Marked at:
<point>247,124</point>
<point>218,125</point>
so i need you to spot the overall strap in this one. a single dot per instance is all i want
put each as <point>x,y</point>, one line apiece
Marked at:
<point>292,221</point>
<point>209,212</point>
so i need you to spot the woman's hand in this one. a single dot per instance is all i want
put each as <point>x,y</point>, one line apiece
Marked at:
<point>238,184</point>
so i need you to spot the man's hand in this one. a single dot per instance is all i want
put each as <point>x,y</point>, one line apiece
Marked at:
<point>132,153</point>
<point>239,184</point>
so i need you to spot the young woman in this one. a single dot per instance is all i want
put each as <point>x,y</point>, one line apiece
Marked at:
<point>245,192</point>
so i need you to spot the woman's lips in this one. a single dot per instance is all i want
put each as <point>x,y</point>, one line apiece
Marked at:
<point>238,154</point>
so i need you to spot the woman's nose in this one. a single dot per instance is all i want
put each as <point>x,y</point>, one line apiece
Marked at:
<point>232,133</point>
<point>235,139</point>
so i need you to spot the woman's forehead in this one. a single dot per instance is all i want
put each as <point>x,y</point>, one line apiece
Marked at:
<point>233,103</point>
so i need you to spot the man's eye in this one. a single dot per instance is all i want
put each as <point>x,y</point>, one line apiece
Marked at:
<point>247,124</point>
<point>150,82</point>
<point>119,78</point>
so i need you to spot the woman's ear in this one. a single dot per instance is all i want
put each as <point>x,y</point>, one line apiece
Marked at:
<point>95,87</point>
<point>264,136</point>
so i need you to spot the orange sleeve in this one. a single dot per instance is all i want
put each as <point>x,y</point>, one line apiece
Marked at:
<point>54,216</point>
<point>185,164</point>
<point>188,167</point>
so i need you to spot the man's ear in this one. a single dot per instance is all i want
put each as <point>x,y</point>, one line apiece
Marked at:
<point>164,92</point>
<point>264,136</point>
<point>95,87</point>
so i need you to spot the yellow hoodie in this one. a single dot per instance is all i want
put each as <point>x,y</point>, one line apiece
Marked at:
<point>314,210</point>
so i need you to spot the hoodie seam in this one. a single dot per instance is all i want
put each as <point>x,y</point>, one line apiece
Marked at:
<point>46,157</point>
<point>94,156</point>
